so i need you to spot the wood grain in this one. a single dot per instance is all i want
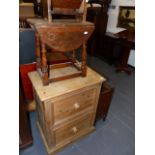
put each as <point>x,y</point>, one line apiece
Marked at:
<point>68,111</point>
<point>61,36</point>
<point>63,87</point>
<point>73,128</point>
<point>65,37</point>
<point>73,104</point>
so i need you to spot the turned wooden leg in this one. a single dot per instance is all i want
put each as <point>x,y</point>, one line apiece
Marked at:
<point>38,54</point>
<point>123,66</point>
<point>44,65</point>
<point>49,11</point>
<point>83,65</point>
<point>85,10</point>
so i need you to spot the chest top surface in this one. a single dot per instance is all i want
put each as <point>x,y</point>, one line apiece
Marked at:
<point>56,89</point>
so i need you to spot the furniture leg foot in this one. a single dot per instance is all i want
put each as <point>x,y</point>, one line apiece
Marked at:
<point>122,69</point>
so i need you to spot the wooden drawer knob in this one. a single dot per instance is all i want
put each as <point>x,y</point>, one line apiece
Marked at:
<point>76,106</point>
<point>74,129</point>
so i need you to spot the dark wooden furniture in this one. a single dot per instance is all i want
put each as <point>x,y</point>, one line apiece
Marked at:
<point>104,101</point>
<point>62,38</point>
<point>24,124</point>
<point>115,49</point>
<point>63,7</point>
<point>63,35</point>
<point>128,39</point>
<point>99,16</point>
<point>110,49</point>
<point>28,1</point>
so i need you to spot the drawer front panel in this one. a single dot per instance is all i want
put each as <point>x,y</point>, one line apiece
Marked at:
<point>74,104</point>
<point>73,128</point>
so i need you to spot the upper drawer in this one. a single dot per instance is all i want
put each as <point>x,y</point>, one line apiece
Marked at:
<point>74,104</point>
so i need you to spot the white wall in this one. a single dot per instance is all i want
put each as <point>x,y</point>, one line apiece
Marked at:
<point>112,22</point>
<point>131,60</point>
<point>113,14</point>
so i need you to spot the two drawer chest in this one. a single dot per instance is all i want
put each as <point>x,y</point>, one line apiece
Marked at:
<point>66,109</point>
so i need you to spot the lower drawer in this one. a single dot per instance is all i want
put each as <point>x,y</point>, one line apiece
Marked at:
<point>74,128</point>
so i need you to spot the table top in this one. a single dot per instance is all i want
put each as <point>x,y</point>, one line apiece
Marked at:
<point>56,89</point>
<point>127,34</point>
<point>62,36</point>
<point>39,22</point>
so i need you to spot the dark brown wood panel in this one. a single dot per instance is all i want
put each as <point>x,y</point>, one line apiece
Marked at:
<point>99,16</point>
<point>65,37</point>
<point>104,101</point>
<point>72,4</point>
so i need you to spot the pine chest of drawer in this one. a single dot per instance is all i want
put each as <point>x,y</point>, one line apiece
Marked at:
<point>66,109</point>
